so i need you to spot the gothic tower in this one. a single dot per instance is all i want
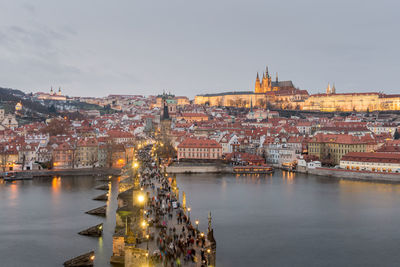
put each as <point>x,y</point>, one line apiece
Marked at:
<point>266,83</point>
<point>258,85</point>
<point>328,89</point>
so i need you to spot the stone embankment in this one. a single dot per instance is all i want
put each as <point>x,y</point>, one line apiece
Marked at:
<point>354,175</point>
<point>199,168</point>
<point>68,172</point>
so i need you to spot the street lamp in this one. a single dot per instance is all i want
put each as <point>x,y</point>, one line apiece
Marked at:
<point>189,209</point>
<point>197,224</point>
<point>147,246</point>
<point>140,198</point>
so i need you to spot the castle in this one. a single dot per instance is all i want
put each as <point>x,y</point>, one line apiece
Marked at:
<point>266,92</point>
<point>284,95</point>
<point>267,85</point>
<point>52,95</point>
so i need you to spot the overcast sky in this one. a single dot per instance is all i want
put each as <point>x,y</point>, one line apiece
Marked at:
<point>98,47</point>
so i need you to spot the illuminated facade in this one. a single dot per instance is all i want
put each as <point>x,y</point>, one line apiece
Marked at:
<point>52,95</point>
<point>283,95</point>
<point>349,102</point>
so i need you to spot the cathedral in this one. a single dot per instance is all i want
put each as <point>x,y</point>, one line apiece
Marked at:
<point>284,95</point>
<point>266,92</point>
<point>267,85</point>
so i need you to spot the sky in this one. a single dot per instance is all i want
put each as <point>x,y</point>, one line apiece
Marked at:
<point>186,47</point>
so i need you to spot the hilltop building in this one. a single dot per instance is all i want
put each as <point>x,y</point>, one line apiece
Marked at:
<point>284,95</point>
<point>52,95</point>
<point>266,92</point>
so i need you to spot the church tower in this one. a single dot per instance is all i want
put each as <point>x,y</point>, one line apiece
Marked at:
<point>257,89</point>
<point>265,85</point>
<point>328,89</point>
<point>266,81</point>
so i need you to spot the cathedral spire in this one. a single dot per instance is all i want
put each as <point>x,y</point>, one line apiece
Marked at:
<point>328,89</point>
<point>258,78</point>
<point>276,77</point>
<point>266,72</point>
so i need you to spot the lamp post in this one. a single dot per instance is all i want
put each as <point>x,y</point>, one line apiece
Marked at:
<point>147,237</point>
<point>189,209</point>
<point>208,257</point>
<point>197,225</point>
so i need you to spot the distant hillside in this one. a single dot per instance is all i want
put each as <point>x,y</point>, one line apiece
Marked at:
<point>10,97</point>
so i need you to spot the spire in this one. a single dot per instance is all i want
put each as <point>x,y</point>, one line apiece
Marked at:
<point>328,89</point>
<point>258,78</point>
<point>165,113</point>
<point>333,90</point>
<point>276,77</point>
<point>266,72</point>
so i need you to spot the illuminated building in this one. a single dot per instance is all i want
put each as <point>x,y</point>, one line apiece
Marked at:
<point>284,95</point>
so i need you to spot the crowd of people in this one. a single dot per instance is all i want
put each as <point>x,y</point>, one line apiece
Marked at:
<point>177,244</point>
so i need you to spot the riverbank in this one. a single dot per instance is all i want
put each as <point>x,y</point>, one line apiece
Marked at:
<point>180,168</point>
<point>354,175</point>
<point>66,172</point>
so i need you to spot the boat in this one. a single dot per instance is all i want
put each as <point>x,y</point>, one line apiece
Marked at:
<point>253,169</point>
<point>289,166</point>
<point>15,176</point>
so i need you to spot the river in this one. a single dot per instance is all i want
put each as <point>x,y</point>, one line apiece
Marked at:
<point>284,219</point>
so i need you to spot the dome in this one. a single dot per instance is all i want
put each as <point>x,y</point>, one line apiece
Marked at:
<point>18,106</point>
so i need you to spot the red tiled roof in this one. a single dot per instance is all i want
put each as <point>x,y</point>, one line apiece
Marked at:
<point>339,139</point>
<point>372,157</point>
<point>199,143</point>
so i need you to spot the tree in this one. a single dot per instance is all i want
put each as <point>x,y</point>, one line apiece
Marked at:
<point>396,135</point>
<point>52,109</point>
<point>56,127</point>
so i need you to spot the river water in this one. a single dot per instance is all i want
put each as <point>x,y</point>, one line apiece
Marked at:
<point>283,219</point>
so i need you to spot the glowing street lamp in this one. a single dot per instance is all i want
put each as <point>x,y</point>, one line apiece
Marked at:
<point>147,237</point>
<point>197,224</point>
<point>189,209</point>
<point>140,198</point>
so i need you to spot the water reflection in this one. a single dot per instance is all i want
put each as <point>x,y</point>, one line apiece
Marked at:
<point>42,217</point>
<point>292,219</point>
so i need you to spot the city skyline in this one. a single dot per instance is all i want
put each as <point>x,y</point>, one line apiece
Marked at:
<point>197,48</point>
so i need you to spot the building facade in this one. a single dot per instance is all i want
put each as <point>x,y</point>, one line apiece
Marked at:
<point>192,148</point>
<point>376,162</point>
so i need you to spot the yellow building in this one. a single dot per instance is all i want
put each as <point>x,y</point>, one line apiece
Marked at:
<point>283,95</point>
<point>376,162</point>
<point>330,148</point>
<point>349,102</point>
<point>86,153</point>
<point>266,91</point>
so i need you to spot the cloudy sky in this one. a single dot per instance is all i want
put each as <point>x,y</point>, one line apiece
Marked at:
<point>98,47</point>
